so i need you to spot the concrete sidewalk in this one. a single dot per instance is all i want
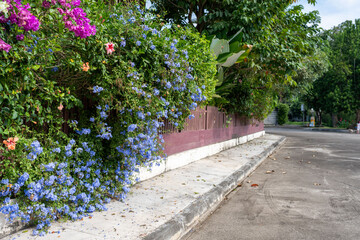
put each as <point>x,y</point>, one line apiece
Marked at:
<point>169,205</point>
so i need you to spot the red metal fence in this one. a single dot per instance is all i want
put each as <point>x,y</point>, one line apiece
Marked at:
<point>208,127</point>
<point>207,118</point>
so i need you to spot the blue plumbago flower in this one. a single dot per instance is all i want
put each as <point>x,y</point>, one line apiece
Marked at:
<point>138,43</point>
<point>6,200</point>
<point>92,119</point>
<point>85,131</point>
<point>193,106</point>
<point>132,127</point>
<point>4,181</point>
<point>50,167</point>
<point>62,165</point>
<point>189,76</point>
<point>68,147</point>
<point>55,69</point>
<point>141,115</point>
<point>168,85</point>
<point>50,181</point>
<point>152,47</point>
<point>56,150</point>
<point>103,115</point>
<point>123,42</point>
<point>156,92</point>
<point>105,133</point>
<point>72,142</point>
<point>97,89</point>
<point>36,150</point>
<point>69,153</point>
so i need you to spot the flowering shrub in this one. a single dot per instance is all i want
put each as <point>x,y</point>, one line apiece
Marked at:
<point>343,123</point>
<point>110,88</point>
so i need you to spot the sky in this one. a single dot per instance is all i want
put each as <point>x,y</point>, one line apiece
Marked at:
<point>334,12</point>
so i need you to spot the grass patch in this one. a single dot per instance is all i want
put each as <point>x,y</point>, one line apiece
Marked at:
<point>297,123</point>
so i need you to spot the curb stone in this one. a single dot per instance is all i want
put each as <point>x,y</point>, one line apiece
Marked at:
<point>183,222</point>
<point>330,130</point>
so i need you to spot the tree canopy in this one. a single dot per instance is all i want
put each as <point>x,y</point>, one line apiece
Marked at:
<point>280,34</point>
<point>338,90</point>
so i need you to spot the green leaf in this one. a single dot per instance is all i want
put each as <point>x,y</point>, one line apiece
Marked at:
<point>36,67</point>
<point>14,115</point>
<point>223,57</point>
<point>235,47</point>
<point>237,36</point>
<point>216,96</point>
<point>220,76</point>
<point>219,46</point>
<point>233,59</point>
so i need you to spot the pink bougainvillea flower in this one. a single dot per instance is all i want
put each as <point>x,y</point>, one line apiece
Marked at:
<point>11,142</point>
<point>109,48</point>
<point>4,46</point>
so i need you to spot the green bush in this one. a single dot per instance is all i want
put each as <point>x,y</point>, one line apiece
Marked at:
<point>79,111</point>
<point>283,111</point>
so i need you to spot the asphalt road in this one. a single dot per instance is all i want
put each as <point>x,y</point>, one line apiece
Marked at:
<point>308,189</point>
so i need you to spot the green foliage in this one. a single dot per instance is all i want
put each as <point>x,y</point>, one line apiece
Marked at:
<point>282,38</point>
<point>295,109</point>
<point>338,89</point>
<point>343,124</point>
<point>283,111</point>
<point>87,115</point>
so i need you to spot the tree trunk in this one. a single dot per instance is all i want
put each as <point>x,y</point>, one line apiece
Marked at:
<point>334,119</point>
<point>358,116</point>
<point>319,118</point>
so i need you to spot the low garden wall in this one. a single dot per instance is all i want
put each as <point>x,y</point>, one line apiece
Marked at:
<point>208,133</point>
<point>210,126</point>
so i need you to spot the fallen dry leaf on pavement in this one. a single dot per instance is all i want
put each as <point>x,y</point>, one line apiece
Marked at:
<point>288,157</point>
<point>317,184</point>
<point>284,172</point>
<point>268,172</point>
<point>254,185</point>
